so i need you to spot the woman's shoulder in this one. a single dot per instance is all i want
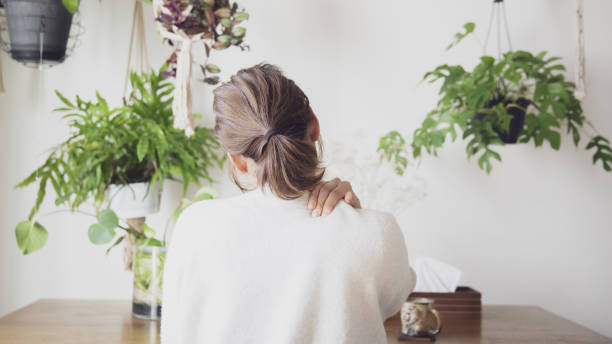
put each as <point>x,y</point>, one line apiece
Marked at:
<point>370,217</point>
<point>209,207</point>
<point>374,224</point>
<point>198,216</point>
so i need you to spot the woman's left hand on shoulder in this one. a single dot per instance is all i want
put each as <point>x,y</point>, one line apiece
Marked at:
<point>325,196</point>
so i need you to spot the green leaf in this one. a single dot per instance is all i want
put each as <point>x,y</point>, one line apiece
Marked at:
<point>202,197</point>
<point>437,138</point>
<point>483,160</point>
<point>31,236</point>
<point>117,242</point>
<point>205,191</point>
<point>213,68</point>
<point>495,155</point>
<point>40,196</point>
<point>238,31</point>
<point>150,242</point>
<point>100,234</point>
<point>554,138</point>
<point>459,36</point>
<point>142,148</point>
<point>184,204</point>
<point>147,229</point>
<point>603,151</point>
<point>241,16</point>
<point>224,38</point>
<point>108,219</point>
<point>487,60</point>
<point>71,5</point>
<point>213,80</point>
<point>226,22</point>
<point>555,88</point>
<point>64,99</point>
<point>429,123</point>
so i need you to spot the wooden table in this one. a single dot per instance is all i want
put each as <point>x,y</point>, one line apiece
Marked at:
<point>92,322</point>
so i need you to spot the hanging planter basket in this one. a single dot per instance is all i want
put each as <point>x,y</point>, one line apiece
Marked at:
<point>518,97</point>
<point>134,200</point>
<point>515,108</point>
<point>38,32</point>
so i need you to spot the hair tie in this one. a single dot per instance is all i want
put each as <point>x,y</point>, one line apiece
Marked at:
<point>270,133</point>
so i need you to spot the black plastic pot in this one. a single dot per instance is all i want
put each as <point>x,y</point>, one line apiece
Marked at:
<point>518,118</point>
<point>38,27</point>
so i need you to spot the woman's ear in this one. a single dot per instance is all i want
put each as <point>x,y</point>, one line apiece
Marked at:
<point>313,129</point>
<point>239,162</point>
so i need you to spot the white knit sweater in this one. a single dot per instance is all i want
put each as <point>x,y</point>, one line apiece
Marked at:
<point>259,269</point>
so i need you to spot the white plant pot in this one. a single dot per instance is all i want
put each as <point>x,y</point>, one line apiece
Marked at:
<point>135,200</point>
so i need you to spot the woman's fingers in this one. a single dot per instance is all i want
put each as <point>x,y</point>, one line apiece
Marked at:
<point>322,193</point>
<point>352,199</point>
<point>325,196</point>
<point>343,190</point>
<point>314,196</point>
<point>334,197</point>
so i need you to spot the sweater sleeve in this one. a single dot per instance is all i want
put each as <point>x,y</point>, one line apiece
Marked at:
<point>397,280</point>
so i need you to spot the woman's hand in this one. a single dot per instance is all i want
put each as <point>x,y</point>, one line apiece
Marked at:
<point>325,196</point>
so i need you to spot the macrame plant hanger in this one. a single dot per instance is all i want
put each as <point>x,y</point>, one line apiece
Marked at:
<point>2,25</point>
<point>497,10</point>
<point>138,46</point>
<point>580,92</point>
<point>1,78</point>
<point>138,49</point>
<point>181,104</point>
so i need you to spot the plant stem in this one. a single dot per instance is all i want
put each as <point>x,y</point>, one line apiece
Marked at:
<point>66,210</point>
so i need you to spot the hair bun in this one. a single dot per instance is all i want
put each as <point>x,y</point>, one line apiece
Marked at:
<point>257,104</point>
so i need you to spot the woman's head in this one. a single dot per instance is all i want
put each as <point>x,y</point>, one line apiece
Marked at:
<point>265,124</point>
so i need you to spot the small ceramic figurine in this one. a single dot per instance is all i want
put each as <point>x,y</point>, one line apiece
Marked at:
<point>420,319</point>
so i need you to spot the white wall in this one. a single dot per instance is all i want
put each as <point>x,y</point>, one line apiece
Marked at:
<point>536,231</point>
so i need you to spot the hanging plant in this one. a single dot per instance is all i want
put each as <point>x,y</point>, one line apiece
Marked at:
<point>213,22</point>
<point>217,23</point>
<point>518,98</point>
<point>134,143</point>
<point>38,30</point>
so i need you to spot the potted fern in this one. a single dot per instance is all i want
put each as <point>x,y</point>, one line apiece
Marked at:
<point>519,97</point>
<point>127,151</point>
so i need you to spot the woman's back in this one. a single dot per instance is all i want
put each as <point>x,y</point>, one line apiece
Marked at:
<point>259,269</point>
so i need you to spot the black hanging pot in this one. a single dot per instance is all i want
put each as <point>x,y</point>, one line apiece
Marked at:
<point>38,30</point>
<point>518,117</point>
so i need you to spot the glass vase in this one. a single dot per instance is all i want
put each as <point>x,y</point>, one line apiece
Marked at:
<point>148,269</point>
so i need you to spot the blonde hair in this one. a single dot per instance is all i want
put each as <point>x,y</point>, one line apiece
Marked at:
<point>262,115</point>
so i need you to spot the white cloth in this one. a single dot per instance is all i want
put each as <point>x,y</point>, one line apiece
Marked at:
<point>258,269</point>
<point>434,276</point>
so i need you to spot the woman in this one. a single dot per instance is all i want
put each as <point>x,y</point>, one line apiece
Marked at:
<point>258,268</point>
